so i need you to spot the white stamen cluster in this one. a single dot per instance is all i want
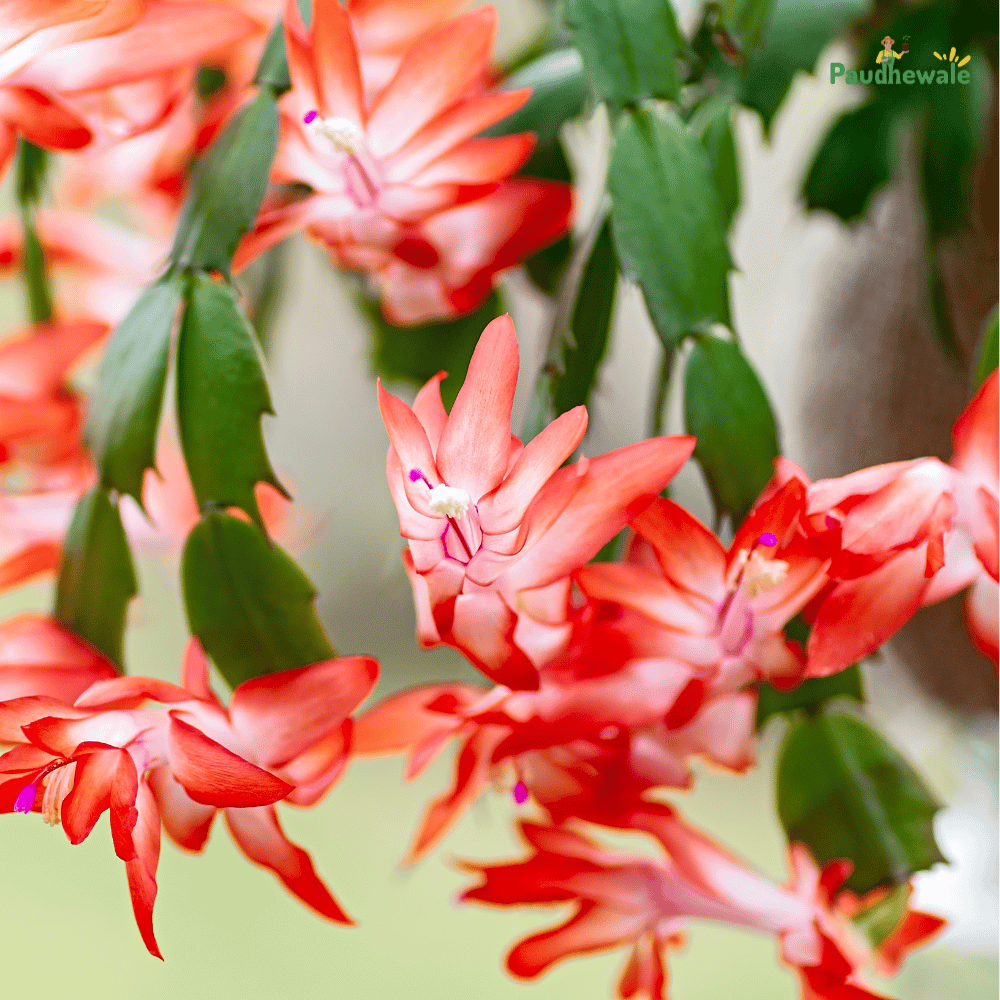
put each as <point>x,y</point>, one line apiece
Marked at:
<point>763,574</point>
<point>57,786</point>
<point>341,133</point>
<point>449,501</point>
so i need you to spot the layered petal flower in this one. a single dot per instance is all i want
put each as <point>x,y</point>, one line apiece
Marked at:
<point>721,611</point>
<point>488,517</point>
<point>645,903</point>
<point>389,162</point>
<point>971,548</point>
<point>125,81</point>
<point>284,736</point>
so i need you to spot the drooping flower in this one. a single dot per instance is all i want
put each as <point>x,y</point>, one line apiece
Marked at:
<point>284,737</point>
<point>28,30</point>
<point>645,903</point>
<point>487,517</point>
<point>383,162</point>
<point>584,745</point>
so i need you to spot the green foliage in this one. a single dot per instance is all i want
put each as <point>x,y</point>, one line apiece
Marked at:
<point>630,48</point>
<point>209,81</point>
<point>272,70</point>
<point>591,325</point>
<point>712,123</point>
<point>858,154</point>
<point>943,330</point>
<point>856,158</point>
<point>227,188</point>
<point>796,33</point>
<point>31,167</point>
<point>809,695</point>
<point>559,92</point>
<point>246,600</point>
<point>221,395</point>
<point>746,20</point>
<point>955,128</point>
<point>416,353</point>
<point>669,224</point>
<point>880,920</point>
<point>988,353</point>
<point>125,407</point>
<point>727,409</point>
<point>844,792</point>
<point>97,578</point>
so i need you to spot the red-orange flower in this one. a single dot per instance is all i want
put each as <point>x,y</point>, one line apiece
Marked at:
<point>81,73</point>
<point>488,518</point>
<point>722,611</point>
<point>645,903</point>
<point>285,736</point>
<point>382,162</point>
<point>970,555</point>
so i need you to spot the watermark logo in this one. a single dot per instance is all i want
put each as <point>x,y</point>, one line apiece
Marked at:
<point>887,73</point>
<point>887,52</point>
<point>951,57</point>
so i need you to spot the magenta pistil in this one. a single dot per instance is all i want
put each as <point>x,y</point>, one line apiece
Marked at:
<point>520,793</point>
<point>310,116</point>
<point>25,800</point>
<point>768,539</point>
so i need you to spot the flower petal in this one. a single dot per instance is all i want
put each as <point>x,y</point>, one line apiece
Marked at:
<point>29,562</point>
<point>434,73</point>
<point>981,615</point>
<point>97,771</point>
<point>471,777</point>
<point>166,36</point>
<point>454,126</point>
<point>259,836</point>
<point>141,870</point>
<point>129,692</point>
<point>975,435</point>
<point>691,556</point>
<point>615,489</point>
<point>188,823</point>
<point>475,442</point>
<point>42,119</point>
<point>19,712</point>
<point>430,410</point>
<point>503,509</point>
<point>412,448</point>
<point>858,615</point>
<point>38,362</point>
<point>335,62</point>
<point>592,928</point>
<point>403,720</point>
<point>285,713</point>
<point>215,776</point>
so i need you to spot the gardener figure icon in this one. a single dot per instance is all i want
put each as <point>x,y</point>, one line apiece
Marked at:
<point>887,54</point>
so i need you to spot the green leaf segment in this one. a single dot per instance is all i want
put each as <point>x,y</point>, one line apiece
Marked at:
<point>844,792</point>
<point>246,600</point>
<point>30,167</point>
